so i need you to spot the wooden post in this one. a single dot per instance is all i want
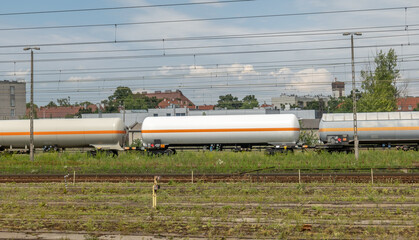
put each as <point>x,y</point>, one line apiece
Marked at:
<point>372,176</point>
<point>155,188</point>
<point>299,176</point>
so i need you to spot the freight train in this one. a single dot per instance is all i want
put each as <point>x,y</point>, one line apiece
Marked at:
<point>281,132</point>
<point>278,132</point>
<point>385,129</point>
<point>102,133</point>
<point>238,131</point>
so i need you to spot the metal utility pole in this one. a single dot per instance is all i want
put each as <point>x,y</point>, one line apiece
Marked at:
<point>356,147</point>
<point>31,112</point>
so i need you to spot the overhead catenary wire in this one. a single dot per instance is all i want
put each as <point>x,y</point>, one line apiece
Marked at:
<point>207,46</point>
<point>211,37</point>
<point>213,19</point>
<point>265,67</point>
<point>123,7</point>
<point>102,58</point>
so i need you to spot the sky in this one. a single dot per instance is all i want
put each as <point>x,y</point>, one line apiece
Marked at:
<point>205,48</point>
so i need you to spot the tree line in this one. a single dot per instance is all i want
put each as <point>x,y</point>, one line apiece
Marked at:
<point>378,93</point>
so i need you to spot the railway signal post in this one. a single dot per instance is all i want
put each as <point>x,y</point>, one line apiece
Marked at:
<point>354,92</point>
<point>31,144</point>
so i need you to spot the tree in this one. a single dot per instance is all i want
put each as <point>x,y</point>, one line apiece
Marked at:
<point>64,102</point>
<point>380,92</point>
<point>249,102</point>
<point>316,105</point>
<point>118,98</point>
<point>121,93</point>
<point>83,104</point>
<point>35,112</point>
<point>51,104</point>
<point>229,102</point>
<point>123,96</point>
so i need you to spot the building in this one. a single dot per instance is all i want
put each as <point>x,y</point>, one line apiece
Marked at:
<point>338,89</point>
<point>171,99</point>
<point>205,107</point>
<point>407,104</point>
<point>12,99</point>
<point>61,111</point>
<point>293,101</point>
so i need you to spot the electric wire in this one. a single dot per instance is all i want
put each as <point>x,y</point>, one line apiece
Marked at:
<point>123,8</point>
<point>211,19</point>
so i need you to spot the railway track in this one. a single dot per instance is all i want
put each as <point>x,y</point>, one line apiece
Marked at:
<point>251,177</point>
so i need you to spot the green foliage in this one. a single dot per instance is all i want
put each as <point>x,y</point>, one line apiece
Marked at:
<point>379,88</point>
<point>83,104</point>
<point>215,210</point>
<point>316,105</point>
<point>64,102</point>
<point>35,113</point>
<point>83,111</point>
<point>202,162</point>
<point>308,137</point>
<point>123,96</point>
<point>51,104</point>
<point>378,91</point>
<point>249,102</point>
<point>229,102</point>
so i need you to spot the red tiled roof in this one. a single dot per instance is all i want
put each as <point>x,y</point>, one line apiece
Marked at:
<point>266,105</point>
<point>206,107</point>
<point>59,112</point>
<point>171,98</point>
<point>407,103</point>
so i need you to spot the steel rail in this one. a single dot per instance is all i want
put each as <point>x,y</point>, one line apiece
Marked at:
<point>290,177</point>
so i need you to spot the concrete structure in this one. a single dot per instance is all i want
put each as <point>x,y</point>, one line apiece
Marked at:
<point>338,89</point>
<point>293,101</point>
<point>12,99</point>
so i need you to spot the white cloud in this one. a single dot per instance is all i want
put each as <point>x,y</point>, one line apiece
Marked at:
<point>81,79</point>
<point>20,73</point>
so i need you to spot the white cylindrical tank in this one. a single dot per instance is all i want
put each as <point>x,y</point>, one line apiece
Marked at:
<point>274,129</point>
<point>105,133</point>
<point>373,127</point>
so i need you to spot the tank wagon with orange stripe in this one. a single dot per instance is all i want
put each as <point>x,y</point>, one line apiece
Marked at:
<point>279,130</point>
<point>380,128</point>
<point>102,133</point>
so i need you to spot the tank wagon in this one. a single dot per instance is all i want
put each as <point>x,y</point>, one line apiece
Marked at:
<point>103,133</point>
<point>278,130</point>
<point>376,128</point>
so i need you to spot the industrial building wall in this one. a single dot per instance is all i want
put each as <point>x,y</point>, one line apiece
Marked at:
<point>12,100</point>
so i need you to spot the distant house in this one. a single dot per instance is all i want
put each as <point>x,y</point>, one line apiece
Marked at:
<point>171,99</point>
<point>407,104</point>
<point>60,112</point>
<point>205,107</point>
<point>267,106</point>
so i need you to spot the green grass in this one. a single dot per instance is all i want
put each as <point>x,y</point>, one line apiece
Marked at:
<point>201,162</point>
<point>215,210</point>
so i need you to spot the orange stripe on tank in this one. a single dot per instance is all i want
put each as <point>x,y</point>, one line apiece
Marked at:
<point>369,129</point>
<point>62,133</point>
<point>220,130</point>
